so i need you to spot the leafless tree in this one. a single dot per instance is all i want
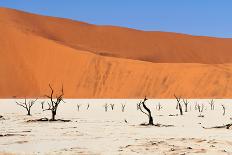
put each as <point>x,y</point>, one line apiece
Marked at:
<point>88,107</point>
<point>200,108</point>
<point>211,103</point>
<point>112,106</point>
<point>27,105</point>
<point>196,106</point>
<point>179,104</point>
<point>224,110</point>
<point>106,107</point>
<point>53,104</point>
<point>186,104</point>
<point>142,106</point>
<point>42,104</point>
<point>78,107</point>
<point>123,107</point>
<point>138,106</point>
<point>159,106</point>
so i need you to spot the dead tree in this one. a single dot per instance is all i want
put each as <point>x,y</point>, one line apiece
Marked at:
<point>179,104</point>
<point>123,107</point>
<point>142,106</point>
<point>186,104</point>
<point>159,107</point>
<point>200,109</point>
<point>42,104</point>
<point>78,107</point>
<point>88,107</point>
<point>27,105</point>
<point>224,110</point>
<point>138,106</point>
<point>53,104</point>
<point>211,103</point>
<point>106,107</point>
<point>112,106</point>
<point>195,106</point>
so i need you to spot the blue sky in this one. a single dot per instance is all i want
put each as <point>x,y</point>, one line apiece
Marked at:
<point>197,17</point>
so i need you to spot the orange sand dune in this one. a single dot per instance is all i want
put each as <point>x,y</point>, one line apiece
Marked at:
<point>38,50</point>
<point>123,42</point>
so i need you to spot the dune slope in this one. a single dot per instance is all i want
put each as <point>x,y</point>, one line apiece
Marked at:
<point>106,62</point>
<point>123,42</point>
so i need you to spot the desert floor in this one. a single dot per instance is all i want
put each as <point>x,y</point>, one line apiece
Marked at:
<point>95,131</point>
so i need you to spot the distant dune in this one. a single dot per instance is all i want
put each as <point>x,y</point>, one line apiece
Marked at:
<point>108,62</point>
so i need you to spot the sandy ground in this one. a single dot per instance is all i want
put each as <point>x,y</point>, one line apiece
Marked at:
<point>95,131</point>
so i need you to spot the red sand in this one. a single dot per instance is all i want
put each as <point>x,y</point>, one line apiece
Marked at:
<point>38,50</point>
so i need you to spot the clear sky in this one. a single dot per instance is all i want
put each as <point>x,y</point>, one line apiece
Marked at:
<point>197,17</point>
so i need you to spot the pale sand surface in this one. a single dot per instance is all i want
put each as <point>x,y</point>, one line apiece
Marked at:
<point>95,131</point>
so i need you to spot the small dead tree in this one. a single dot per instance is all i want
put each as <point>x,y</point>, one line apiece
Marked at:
<point>211,103</point>
<point>142,106</point>
<point>196,106</point>
<point>179,104</point>
<point>186,104</point>
<point>159,106</point>
<point>138,106</point>
<point>27,105</point>
<point>53,105</point>
<point>112,106</point>
<point>200,109</point>
<point>78,107</point>
<point>88,107</point>
<point>106,107</point>
<point>224,110</point>
<point>42,104</point>
<point>123,107</point>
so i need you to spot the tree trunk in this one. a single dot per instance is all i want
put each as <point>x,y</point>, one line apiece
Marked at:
<point>180,107</point>
<point>150,120</point>
<point>186,108</point>
<point>53,115</point>
<point>29,112</point>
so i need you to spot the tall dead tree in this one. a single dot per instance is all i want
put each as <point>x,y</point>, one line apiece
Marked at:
<point>142,106</point>
<point>186,104</point>
<point>123,107</point>
<point>211,103</point>
<point>179,104</point>
<point>27,105</point>
<point>53,104</point>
